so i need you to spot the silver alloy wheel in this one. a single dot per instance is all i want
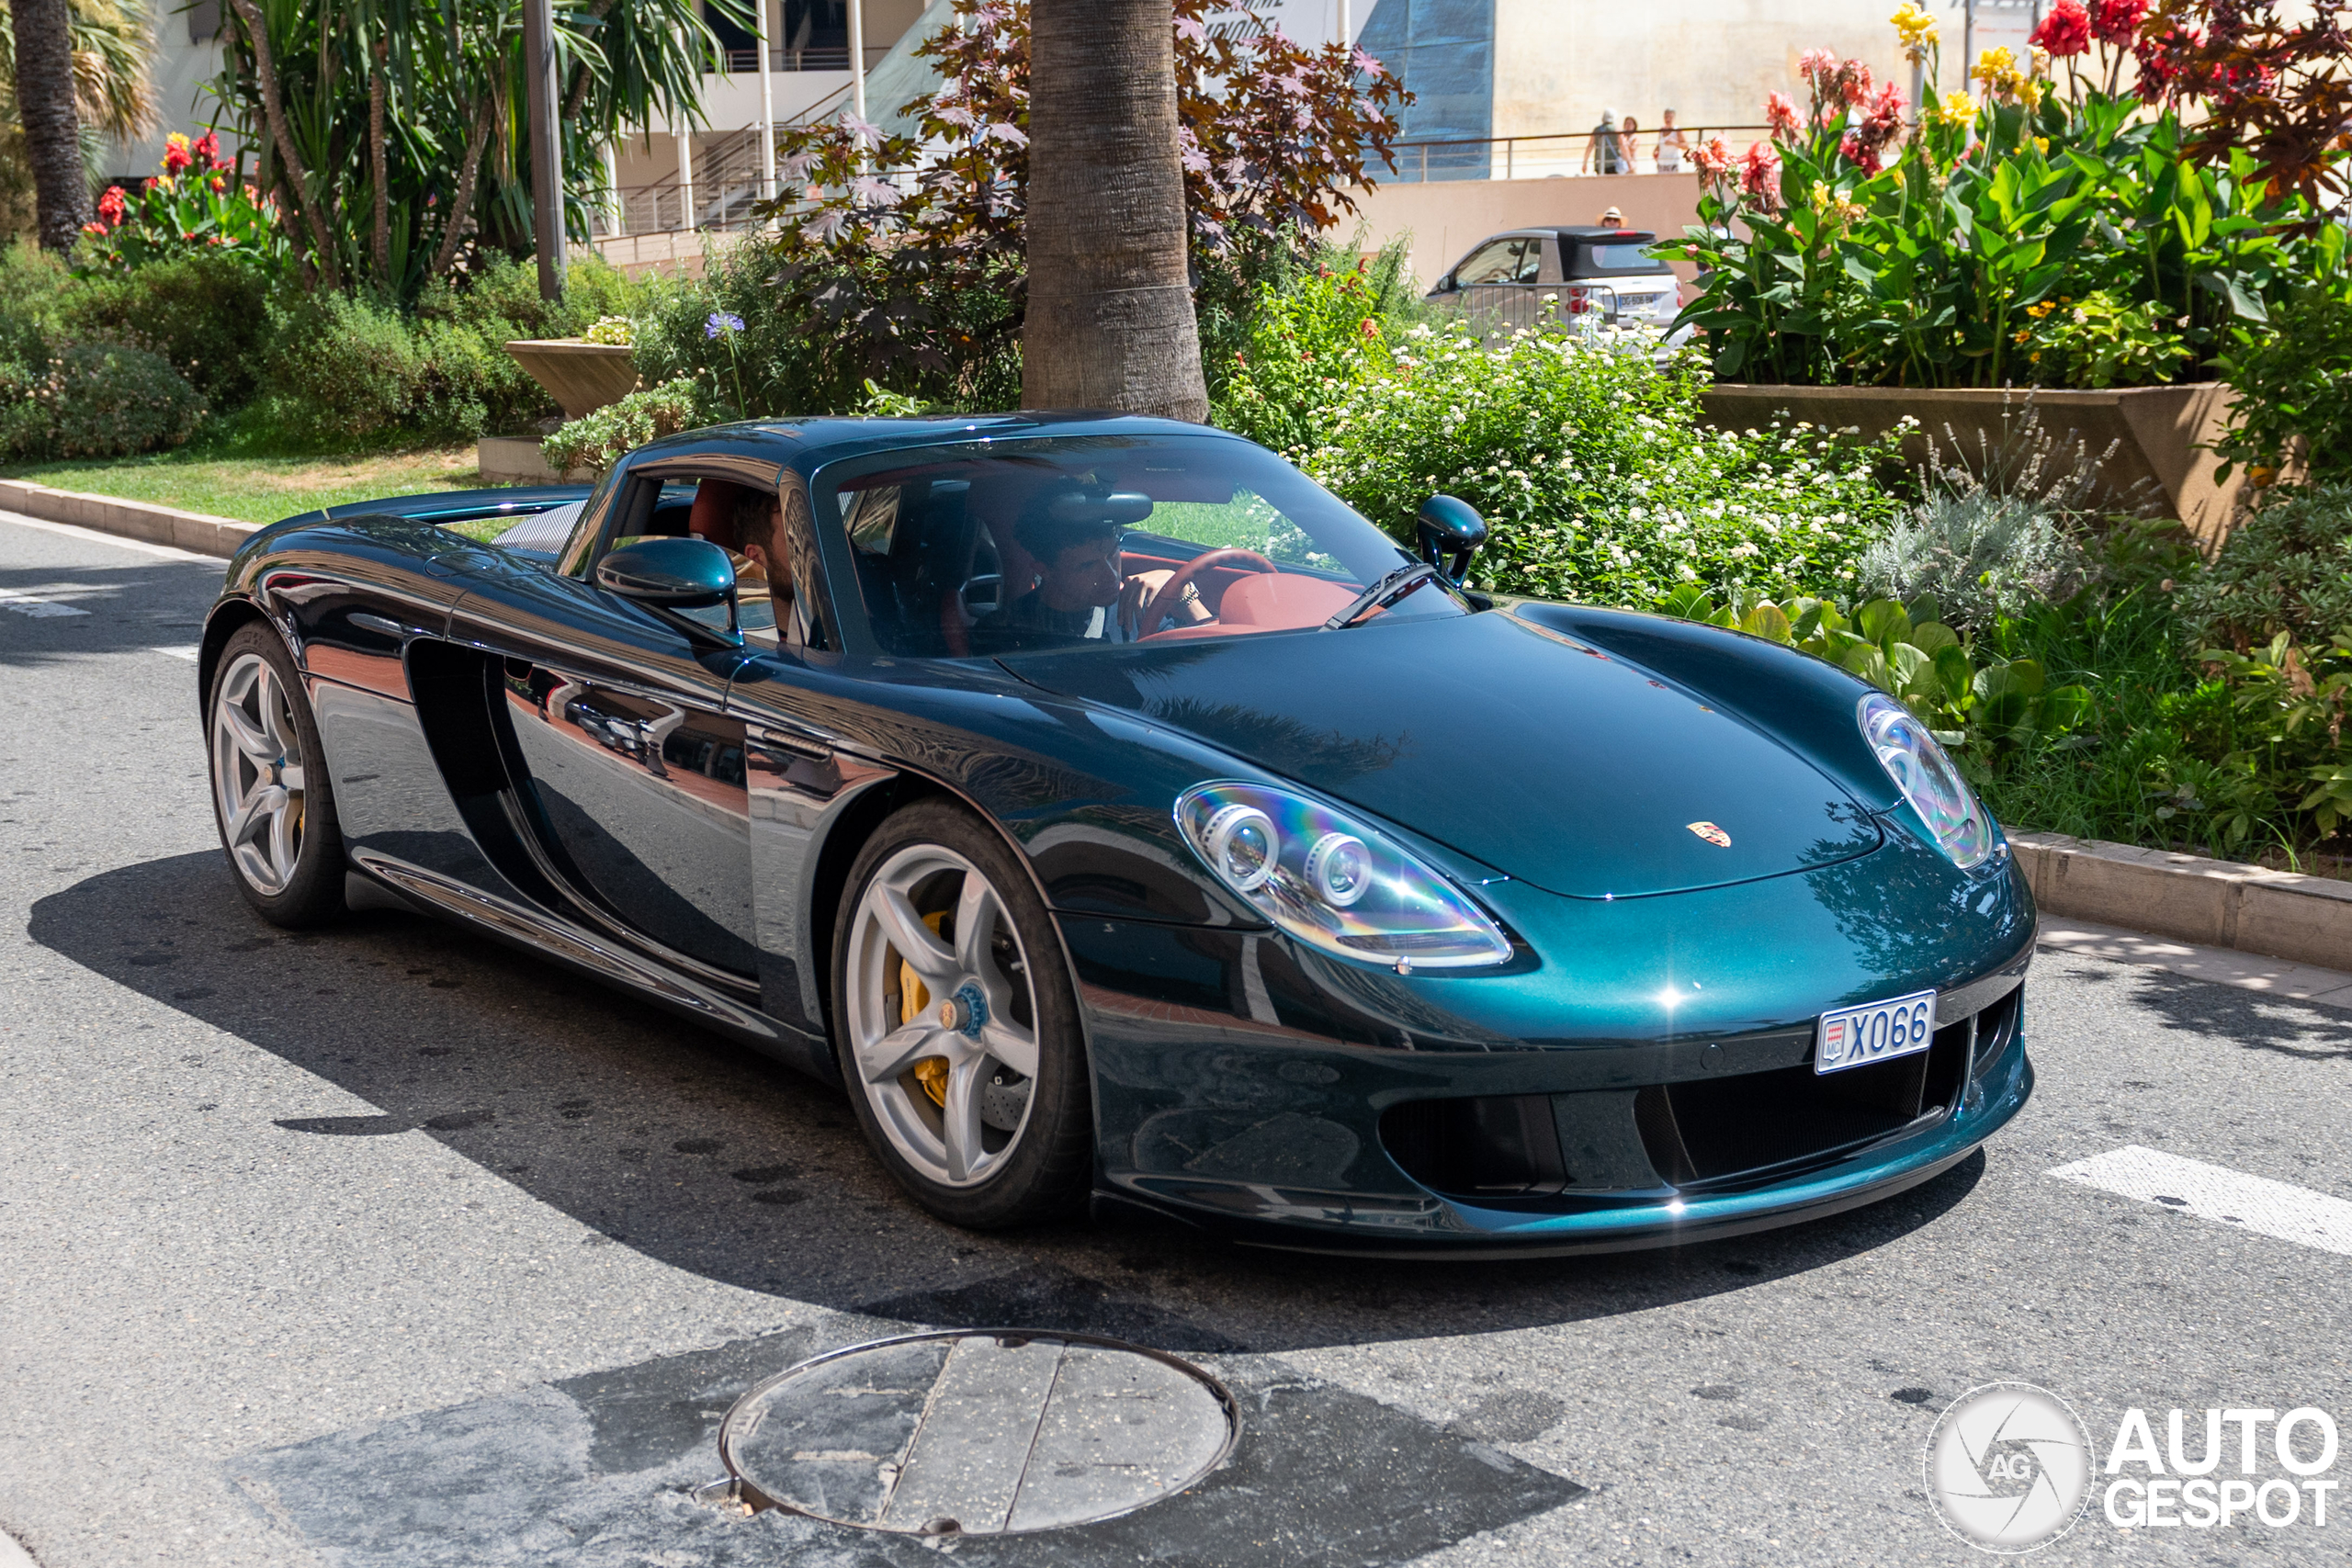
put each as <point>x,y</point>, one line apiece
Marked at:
<point>258,772</point>
<point>977,1014</point>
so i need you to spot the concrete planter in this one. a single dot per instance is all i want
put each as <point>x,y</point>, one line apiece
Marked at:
<point>2161,430</point>
<point>583,377</point>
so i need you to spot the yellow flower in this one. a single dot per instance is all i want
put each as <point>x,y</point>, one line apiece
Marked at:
<point>1959,107</point>
<point>2041,58</point>
<point>2042,145</point>
<point>1916,28</point>
<point>2029,91</point>
<point>1820,193</point>
<point>2034,358</point>
<point>1991,66</point>
<point>2020,338</point>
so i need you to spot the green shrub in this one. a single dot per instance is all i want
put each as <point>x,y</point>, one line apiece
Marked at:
<point>25,422</point>
<point>32,282</point>
<point>2287,567</point>
<point>2293,377</point>
<point>784,360</point>
<point>1587,457</point>
<point>109,401</point>
<point>208,315</point>
<point>500,298</point>
<point>342,373</point>
<point>595,441</point>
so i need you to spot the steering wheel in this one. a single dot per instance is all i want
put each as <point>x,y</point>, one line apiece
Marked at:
<point>1171,593</point>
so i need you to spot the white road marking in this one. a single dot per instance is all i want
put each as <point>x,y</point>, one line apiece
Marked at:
<point>99,536</point>
<point>2224,1196</point>
<point>40,609</point>
<point>187,651</point>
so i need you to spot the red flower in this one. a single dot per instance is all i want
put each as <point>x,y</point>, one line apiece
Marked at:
<point>1862,156</point>
<point>1760,173</point>
<point>2162,58</point>
<point>219,183</point>
<point>1713,158</point>
<point>1883,122</point>
<point>208,148</point>
<point>175,153</point>
<point>2116,21</point>
<point>2065,32</point>
<point>1854,81</point>
<point>1782,115</point>
<point>94,228</point>
<point>1819,68</point>
<point>111,206</point>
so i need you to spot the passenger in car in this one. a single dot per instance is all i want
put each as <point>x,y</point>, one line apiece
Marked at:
<point>755,524</point>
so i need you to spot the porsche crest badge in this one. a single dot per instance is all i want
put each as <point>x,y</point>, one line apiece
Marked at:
<point>1712,833</point>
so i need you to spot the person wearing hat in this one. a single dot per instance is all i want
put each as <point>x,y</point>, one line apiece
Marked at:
<point>1604,151</point>
<point>1611,218</point>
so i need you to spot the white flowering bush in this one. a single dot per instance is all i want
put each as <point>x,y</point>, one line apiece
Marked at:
<point>1585,455</point>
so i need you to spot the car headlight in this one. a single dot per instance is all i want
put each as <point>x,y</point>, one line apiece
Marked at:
<point>1332,882</point>
<point>1927,778</point>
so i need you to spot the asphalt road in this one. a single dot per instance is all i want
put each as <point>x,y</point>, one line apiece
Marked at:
<point>386,1246</point>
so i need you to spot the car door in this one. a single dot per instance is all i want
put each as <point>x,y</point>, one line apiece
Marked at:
<point>629,773</point>
<point>1497,284</point>
<point>806,763</point>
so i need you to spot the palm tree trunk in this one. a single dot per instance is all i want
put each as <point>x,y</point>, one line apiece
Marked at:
<point>273,106</point>
<point>1110,321</point>
<point>378,165</point>
<point>43,36</point>
<point>461,206</point>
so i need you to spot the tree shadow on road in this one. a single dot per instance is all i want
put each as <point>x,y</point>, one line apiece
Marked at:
<point>124,609</point>
<point>2302,1032</point>
<point>708,1156</point>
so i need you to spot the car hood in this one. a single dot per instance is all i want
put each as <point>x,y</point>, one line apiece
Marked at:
<point>1548,759</point>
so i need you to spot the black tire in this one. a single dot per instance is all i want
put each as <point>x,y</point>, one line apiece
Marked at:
<point>311,895</point>
<point>1048,1168</point>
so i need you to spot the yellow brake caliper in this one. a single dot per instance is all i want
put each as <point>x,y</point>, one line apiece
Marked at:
<point>914,998</point>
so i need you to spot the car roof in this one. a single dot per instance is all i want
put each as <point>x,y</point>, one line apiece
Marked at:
<point>1589,233</point>
<point>809,443</point>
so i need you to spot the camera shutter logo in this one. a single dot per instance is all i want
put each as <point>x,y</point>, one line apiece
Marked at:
<point>2009,1467</point>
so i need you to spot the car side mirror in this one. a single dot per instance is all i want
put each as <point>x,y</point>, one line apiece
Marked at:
<point>1451,532</point>
<point>673,577</point>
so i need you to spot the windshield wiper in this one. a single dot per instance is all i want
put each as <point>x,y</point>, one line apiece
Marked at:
<point>1385,593</point>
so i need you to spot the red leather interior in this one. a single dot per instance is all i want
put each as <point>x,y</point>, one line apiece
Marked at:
<point>1263,602</point>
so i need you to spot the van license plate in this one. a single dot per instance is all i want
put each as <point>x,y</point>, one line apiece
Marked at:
<point>1854,1037</point>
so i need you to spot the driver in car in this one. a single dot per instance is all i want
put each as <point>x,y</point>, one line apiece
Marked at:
<point>1080,575</point>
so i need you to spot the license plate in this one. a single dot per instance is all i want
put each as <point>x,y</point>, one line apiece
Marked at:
<point>1855,1037</point>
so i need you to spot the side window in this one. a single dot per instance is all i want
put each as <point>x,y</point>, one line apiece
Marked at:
<point>1498,262</point>
<point>747,513</point>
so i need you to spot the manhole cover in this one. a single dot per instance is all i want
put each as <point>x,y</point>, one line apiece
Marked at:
<point>978,1433</point>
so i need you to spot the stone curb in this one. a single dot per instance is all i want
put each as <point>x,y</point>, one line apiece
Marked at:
<point>2218,903</point>
<point>196,530</point>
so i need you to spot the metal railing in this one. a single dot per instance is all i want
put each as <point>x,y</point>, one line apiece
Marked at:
<point>744,62</point>
<point>1513,307</point>
<point>724,184</point>
<point>1554,155</point>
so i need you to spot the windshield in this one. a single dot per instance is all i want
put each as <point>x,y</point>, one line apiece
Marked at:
<point>1095,541</point>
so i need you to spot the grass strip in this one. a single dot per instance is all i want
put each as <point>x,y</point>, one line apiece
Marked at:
<point>260,489</point>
